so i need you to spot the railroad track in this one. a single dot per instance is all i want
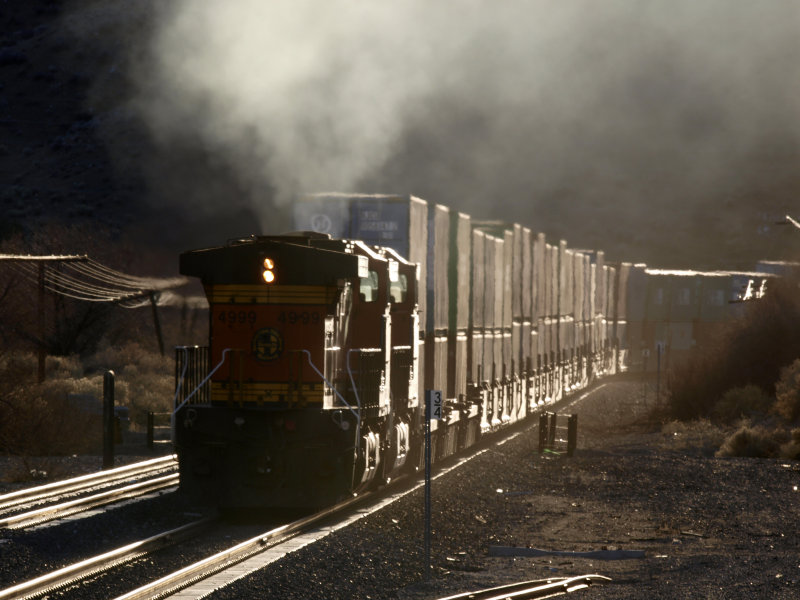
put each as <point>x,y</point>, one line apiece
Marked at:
<point>201,577</point>
<point>221,569</point>
<point>528,590</point>
<point>71,574</point>
<point>59,499</point>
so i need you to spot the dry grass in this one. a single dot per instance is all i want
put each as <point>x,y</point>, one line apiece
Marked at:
<point>755,442</point>
<point>63,415</point>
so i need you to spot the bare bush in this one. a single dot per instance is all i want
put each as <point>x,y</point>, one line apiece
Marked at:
<point>750,352</point>
<point>63,415</point>
<point>791,449</point>
<point>700,435</point>
<point>755,442</point>
<point>787,393</point>
<point>41,419</point>
<point>741,402</point>
<point>144,379</point>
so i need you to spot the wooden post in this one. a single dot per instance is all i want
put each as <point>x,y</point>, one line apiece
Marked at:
<point>40,312</point>
<point>551,434</point>
<point>572,434</point>
<point>543,419</point>
<point>150,428</point>
<point>157,323</point>
<point>108,420</point>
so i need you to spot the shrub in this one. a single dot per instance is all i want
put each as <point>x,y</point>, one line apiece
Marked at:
<point>41,419</point>
<point>740,402</point>
<point>787,393</point>
<point>63,415</point>
<point>756,442</point>
<point>750,351</point>
<point>791,449</point>
<point>144,379</point>
<point>700,435</point>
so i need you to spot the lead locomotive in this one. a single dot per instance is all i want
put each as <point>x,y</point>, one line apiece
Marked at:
<point>307,391</point>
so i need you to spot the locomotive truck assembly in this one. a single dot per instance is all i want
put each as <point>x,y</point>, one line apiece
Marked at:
<point>322,342</point>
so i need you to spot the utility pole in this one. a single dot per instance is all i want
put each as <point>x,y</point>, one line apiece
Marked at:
<point>42,262</point>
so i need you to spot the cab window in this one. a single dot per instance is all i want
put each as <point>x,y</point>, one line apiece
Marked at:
<point>398,291</point>
<point>368,288</point>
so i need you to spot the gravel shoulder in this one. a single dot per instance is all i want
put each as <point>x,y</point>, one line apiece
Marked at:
<point>709,527</point>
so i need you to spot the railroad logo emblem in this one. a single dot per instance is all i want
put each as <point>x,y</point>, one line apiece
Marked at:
<point>321,223</point>
<point>267,344</point>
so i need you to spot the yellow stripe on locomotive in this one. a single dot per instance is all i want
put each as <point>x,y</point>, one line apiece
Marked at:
<point>271,294</point>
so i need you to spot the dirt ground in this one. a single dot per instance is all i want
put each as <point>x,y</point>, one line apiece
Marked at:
<point>707,527</point>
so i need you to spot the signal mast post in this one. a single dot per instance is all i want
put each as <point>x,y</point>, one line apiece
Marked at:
<point>434,409</point>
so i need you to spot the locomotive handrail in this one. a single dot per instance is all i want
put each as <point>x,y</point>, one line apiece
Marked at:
<point>357,415</point>
<point>183,373</point>
<point>201,384</point>
<point>352,379</point>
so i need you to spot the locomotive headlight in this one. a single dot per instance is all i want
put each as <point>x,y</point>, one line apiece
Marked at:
<point>269,273</point>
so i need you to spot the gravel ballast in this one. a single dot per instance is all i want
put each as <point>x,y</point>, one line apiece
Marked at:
<point>709,527</point>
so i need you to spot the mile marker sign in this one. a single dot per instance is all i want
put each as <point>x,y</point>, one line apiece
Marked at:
<point>435,403</point>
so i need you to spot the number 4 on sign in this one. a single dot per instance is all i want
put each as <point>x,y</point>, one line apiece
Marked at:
<point>435,404</point>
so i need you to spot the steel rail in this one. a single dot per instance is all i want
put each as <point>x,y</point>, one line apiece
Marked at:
<point>190,574</point>
<point>44,584</point>
<point>42,493</point>
<point>527,590</point>
<point>65,509</point>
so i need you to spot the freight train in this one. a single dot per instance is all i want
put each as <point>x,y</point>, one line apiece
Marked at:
<point>322,342</point>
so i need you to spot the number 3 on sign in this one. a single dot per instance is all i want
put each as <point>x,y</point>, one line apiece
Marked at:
<point>435,403</point>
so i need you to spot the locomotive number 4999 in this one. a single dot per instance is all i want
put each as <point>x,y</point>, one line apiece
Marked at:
<point>237,318</point>
<point>232,318</point>
<point>303,317</point>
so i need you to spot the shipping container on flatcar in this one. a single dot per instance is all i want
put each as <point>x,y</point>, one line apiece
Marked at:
<point>622,316</point>
<point>524,317</point>
<point>480,337</point>
<point>611,321</point>
<point>783,268</point>
<point>438,303</point>
<point>508,336</point>
<point>636,311</point>
<point>538,293</point>
<point>493,278</point>
<point>459,273</point>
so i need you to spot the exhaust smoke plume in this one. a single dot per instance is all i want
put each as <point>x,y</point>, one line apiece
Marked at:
<point>675,119</point>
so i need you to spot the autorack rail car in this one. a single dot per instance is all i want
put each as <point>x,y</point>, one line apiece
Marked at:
<point>322,343</point>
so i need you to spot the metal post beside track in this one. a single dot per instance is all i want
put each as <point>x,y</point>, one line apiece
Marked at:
<point>427,492</point>
<point>434,409</point>
<point>543,420</point>
<point>108,420</point>
<point>551,437</point>
<point>150,427</point>
<point>572,434</point>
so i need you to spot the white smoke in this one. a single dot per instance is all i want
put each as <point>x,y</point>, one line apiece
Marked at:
<point>512,105</point>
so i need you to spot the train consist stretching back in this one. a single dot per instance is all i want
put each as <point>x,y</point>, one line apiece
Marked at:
<point>322,342</point>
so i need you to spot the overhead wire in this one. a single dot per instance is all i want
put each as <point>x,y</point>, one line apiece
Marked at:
<point>91,281</point>
<point>66,286</point>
